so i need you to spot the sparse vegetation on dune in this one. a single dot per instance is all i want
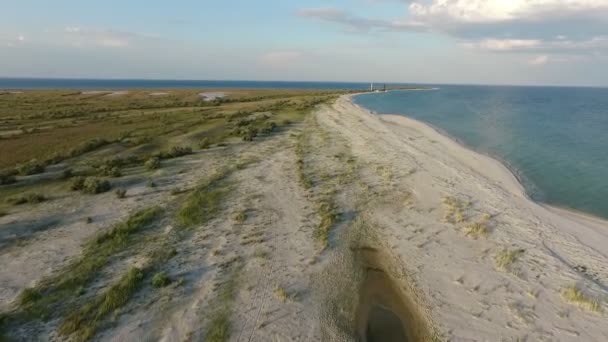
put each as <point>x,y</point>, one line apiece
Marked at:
<point>505,258</point>
<point>204,202</point>
<point>126,141</point>
<point>40,300</point>
<point>31,198</point>
<point>575,296</point>
<point>83,323</point>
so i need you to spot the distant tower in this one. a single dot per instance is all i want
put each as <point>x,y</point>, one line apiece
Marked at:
<point>371,87</point>
<point>384,87</point>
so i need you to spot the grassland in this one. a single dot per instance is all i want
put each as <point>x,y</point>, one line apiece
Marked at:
<point>84,134</point>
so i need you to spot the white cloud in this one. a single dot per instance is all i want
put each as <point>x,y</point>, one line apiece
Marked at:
<point>539,61</point>
<point>280,59</point>
<point>479,11</point>
<point>85,37</point>
<point>504,44</point>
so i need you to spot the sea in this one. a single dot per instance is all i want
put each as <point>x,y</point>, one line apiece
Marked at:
<point>555,139</point>
<point>72,83</point>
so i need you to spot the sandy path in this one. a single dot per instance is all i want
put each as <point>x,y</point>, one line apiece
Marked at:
<point>470,298</point>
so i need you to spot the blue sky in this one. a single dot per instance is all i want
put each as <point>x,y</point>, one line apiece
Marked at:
<point>558,42</point>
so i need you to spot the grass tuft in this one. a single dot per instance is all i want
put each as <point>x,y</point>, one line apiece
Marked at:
<point>505,258</point>
<point>120,193</point>
<point>476,230</point>
<point>60,287</point>
<point>240,217</point>
<point>160,279</point>
<point>83,323</point>
<point>203,203</point>
<point>31,198</point>
<point>281,294</point>
<point>328,216</point>
<point>574,296</point>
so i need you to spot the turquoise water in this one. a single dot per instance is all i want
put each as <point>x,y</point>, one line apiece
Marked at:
<point>555,139</point>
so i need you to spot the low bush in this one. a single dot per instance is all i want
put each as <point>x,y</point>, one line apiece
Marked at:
<point>31,198</point>
<point>204,143</point>
<point>77,183</point>
<point>31,168</point>
<point>7,177</point>
<point>249,134</point>
<point>109,171</point>
<point>152,163</point>
<point>120,193</point>
<point>90,185</point>
<point>160,279</point>
<point>174,152</point>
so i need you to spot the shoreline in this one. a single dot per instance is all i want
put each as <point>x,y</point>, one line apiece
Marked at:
<point>487,262</point>
<point>566,212</point>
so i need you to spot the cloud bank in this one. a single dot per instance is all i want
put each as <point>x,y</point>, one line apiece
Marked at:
<point>550,26</point>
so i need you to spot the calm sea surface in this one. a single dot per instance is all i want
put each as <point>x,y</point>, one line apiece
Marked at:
<point>556,139</point>
<point>46,83</point>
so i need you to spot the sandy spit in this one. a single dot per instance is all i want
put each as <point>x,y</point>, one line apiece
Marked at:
<point>471,296</point>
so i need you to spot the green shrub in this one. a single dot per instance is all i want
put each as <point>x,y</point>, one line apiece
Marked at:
<point>87,147</point>
<point>7,177</point>
<point>120,193</point>
<point>109,171</point>
<point>67,173</point>
<point>30,168</point>
<point>77,183</point>
<point>174,152</point>
<point>204,143</point>
<point>160,279</point>
<point>94,185</point>
<point>31,198</point>
<point>152,163</point>
<point>249,134</point>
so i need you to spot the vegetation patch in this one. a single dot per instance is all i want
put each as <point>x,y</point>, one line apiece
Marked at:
<point>505,258</point>
<point>203,203</point>
<point>90,185</point>
<point>83,323</point>
<point>31,198</point>
<point>328,216</point>
<point>574,296</point>
<point>62,286</point>
<point>153,163</point>
<point>240,217</point>
<point>219,326</point>
<point>160,279</point>
<point>476,230</point>
<point>453,210</point>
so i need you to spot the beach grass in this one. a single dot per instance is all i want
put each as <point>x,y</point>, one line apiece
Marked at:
<point>505,258</point>
<point>575,296</point>
<point>82,324</point>
<point>40,300</point>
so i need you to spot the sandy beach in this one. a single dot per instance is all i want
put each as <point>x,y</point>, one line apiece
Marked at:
<point>470,294</point>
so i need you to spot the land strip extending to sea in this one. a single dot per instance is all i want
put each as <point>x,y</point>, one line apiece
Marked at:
<point>314,219</point>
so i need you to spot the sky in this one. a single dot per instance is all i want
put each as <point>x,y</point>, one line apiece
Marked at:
<point>529,42</point>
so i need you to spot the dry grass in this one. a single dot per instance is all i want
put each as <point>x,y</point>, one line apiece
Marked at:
<point>240,217</point>
<point>574,296</point>
<point>453,210</point>
<point>476,230</point>
<point>505,258</point>
<point>281,294</point>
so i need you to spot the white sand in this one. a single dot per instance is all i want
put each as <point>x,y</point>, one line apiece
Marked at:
<point>469,298</point>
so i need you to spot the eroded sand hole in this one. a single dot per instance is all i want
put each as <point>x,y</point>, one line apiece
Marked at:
<point>385,312</point>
